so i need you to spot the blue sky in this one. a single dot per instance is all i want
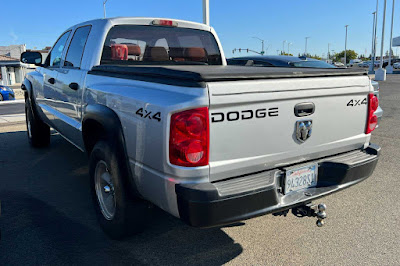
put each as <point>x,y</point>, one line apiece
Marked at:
<point>39,23</point>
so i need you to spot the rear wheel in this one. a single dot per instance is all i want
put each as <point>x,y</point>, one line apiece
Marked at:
<point>118,211</point>
<point>38,132</point>
<point>1,97</point>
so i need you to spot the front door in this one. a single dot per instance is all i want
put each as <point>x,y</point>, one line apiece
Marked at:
<point>48,97</point>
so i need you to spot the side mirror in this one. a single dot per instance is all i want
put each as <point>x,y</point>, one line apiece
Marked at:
<point>31,58</point>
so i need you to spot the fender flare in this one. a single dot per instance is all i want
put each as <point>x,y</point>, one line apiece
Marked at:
<point>26,86</point>
<point>112,127</point>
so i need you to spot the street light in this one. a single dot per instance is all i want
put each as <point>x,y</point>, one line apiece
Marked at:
<point>327,55</point>
<point>371,67</point>
<point>375,32</point>
<point>262,45</point>
<point>389,68</point>
<point>206,12</point>
<point>104,7</point>
<point>345,48</point>
<point>305,50</point>
<point>283,47</point>
<point>380,74</point>
<point>289,47</point>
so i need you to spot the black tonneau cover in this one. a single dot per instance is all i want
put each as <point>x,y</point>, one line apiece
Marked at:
<point>200,74</point>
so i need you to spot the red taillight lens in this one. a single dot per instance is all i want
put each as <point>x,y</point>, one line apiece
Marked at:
<point>372,120</point>
<point>189,138</point>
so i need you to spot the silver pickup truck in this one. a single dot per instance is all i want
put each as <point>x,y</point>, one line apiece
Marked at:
<point>165,121</point>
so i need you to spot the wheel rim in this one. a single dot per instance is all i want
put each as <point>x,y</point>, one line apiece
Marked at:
<point>105,190</point>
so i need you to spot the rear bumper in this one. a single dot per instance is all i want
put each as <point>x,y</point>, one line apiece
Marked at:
<point>229,201</point>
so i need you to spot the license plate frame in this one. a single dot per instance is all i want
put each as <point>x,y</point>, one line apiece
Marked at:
<point>303,180</point>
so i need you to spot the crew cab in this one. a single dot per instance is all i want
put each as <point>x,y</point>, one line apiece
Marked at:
<point>165,121</point>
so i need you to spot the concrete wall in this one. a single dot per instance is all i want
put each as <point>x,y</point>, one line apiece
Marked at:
<point>13,51</point>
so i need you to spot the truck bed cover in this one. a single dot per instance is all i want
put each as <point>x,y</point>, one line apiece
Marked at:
<point>198,74</point>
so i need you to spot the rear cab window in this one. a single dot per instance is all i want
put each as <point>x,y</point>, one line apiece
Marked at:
<point>76,48</point>
<point>159,45</point>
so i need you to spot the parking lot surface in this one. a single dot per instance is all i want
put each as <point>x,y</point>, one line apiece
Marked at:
<point>47,215</point>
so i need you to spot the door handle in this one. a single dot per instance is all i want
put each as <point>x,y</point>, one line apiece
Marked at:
<point>304,109</point>
<point>74,86</point>
<point>52,80</point>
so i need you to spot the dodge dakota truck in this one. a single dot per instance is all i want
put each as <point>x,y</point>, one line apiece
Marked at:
<point>166,122</point>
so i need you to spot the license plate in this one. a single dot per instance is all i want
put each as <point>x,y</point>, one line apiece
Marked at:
<point>301,178</point>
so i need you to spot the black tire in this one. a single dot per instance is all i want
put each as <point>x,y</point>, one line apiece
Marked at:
<point>1,97</point>
<point>38,132</point>
<point>130,213</point>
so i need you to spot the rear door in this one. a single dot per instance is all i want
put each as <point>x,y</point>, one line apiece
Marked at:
<point>254,125</point>
<point>70,81</point>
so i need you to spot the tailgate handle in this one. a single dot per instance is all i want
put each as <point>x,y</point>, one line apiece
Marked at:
<point>304,109</point>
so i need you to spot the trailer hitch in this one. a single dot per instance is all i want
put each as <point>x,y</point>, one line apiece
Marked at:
<point>310,210</point>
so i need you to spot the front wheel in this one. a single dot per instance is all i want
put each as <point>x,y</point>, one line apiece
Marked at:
<point>118,211</point>
<point>38,132</point>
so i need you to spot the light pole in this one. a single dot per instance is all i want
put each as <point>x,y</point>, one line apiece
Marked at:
<point>104,7</point>
<point>262,45</point>
<point>371,67</point>
<point>375,32</point>
<point>327,55</point>
<point>389,68</point>
<point>283,47</point>
<point>288,47</point>
<point>305,50</point>
<point>345,48</point>
<point>380,74</point>
<point>206,12</point>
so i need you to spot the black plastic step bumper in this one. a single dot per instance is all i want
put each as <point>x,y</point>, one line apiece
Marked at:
<point>236,199</point>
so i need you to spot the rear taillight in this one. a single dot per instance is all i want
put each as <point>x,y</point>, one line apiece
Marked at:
<point>189,138</point>
<point>372,119</point>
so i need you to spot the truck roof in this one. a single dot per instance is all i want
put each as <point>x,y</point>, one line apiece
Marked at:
<point>142,21</point>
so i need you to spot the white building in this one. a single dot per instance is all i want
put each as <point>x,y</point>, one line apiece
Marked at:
<point>12,71</point>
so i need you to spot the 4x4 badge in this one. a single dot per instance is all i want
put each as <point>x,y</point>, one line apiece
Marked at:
<point>303,130</point>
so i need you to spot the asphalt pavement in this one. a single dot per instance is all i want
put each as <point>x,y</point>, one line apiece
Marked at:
<point>12,107</point>
<point>47,215</point>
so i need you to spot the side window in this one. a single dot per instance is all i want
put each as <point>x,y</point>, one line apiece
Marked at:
<point>262,63</point>
<point>58,48</point>
<point>75,50</point>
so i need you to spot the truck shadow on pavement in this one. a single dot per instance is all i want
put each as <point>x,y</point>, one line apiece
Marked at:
<point>48,218</point>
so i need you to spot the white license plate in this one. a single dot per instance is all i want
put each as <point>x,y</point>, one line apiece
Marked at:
<point>301,178</point>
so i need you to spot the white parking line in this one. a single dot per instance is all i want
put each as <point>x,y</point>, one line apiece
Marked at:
<point>12,118</point>
<point>11,102</point>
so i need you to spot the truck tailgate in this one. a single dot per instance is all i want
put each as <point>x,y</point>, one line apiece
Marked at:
<point>253,125</point>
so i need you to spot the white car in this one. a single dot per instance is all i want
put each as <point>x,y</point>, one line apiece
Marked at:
<point>338,64</point>
<point>396,65</point>
<point>365,64</point>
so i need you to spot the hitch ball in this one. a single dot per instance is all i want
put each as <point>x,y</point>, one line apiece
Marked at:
<point>320,223</point>
<point>321,207</point>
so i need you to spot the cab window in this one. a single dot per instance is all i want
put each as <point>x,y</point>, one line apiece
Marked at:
<point>75,50</point>
<point>54,59</point>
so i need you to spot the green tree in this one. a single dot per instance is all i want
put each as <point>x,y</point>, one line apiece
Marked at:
<point>351,54</point>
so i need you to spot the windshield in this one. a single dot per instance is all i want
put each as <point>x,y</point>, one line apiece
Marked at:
<point>134,45</point>
<point>311,64</point>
